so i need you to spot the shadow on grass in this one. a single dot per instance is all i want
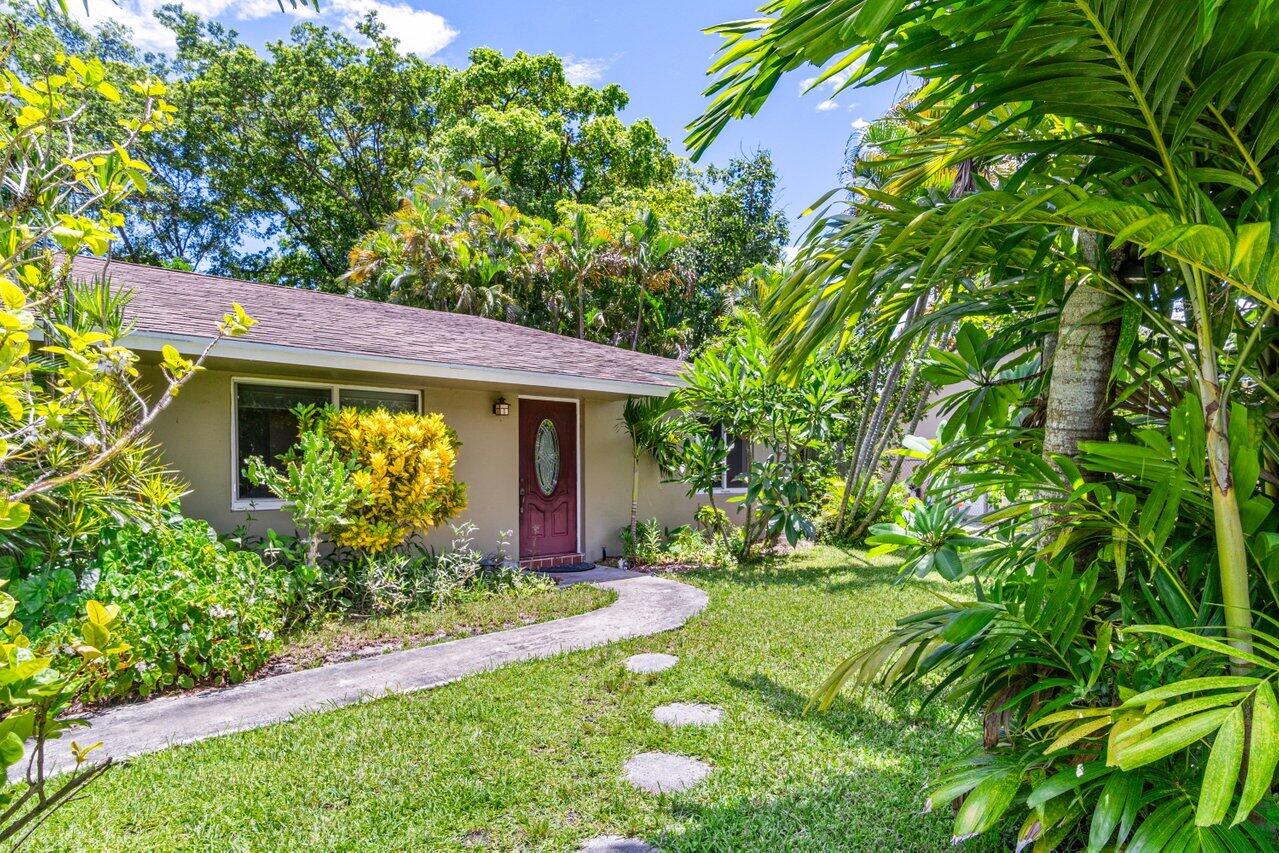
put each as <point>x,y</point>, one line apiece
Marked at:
<point>848,716</point>
<point>873,809</point>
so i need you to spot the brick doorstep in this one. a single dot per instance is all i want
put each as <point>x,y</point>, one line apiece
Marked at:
<point>535,563</point>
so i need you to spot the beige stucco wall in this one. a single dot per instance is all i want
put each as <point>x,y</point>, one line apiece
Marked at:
<point>608,483</point>
<point>195,437</point>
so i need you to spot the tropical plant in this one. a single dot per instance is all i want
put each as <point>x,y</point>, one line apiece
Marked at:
<point>73,413</point>
<point>402,466</point>
<point>420,578</point>
<point>39,691</point>
<point>75,407</point>
<point>197,611</point>
<point>732,385</point>
<point>650,544</point>
<point>650,424</point>
<point>453,245</point>
<point>1118,217</point>
<point>315,481</point>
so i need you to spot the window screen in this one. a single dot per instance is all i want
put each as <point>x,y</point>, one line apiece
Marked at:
<point>267,427</point>
<point>392,401</point>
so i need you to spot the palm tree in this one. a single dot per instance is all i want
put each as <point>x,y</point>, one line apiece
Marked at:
<point>653,265</point>
<point>653,433</point>
<point>585,255</point>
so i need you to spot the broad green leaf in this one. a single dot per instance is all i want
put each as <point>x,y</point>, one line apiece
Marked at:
<point>1077,733</point>
<point>1221,774</point>
<point>14,515</point>
<point>1064,781</point>
<point>1170,739</point>
<point>968,623</point>
<point>987,803</point>
<point>10,749</point>
<point>947,563</point>
<point>1263,751</point>
<point>1189,685</point>
<point>1071,714</point>
<point>1182,709</point>
<point>1115,794</point>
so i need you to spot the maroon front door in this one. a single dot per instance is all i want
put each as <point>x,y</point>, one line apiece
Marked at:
<point>548,478</point>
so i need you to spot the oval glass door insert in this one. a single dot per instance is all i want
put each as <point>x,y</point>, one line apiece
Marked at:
<point>546,457</point>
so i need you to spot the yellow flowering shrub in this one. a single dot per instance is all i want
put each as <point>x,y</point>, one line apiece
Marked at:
<point>404,470</point>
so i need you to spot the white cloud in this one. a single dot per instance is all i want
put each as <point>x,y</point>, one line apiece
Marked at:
<point>860,124</point>
<point>581,70</point>
<point>418,30</point>
<point>826,106</point>
<point>148,33</point>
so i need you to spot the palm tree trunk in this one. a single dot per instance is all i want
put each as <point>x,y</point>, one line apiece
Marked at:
<point>1078,405</point>
<point>634,496</point>
<point>1079,389</point>
<point>851,478</point>
<point>867,456</point>
<point>888,427</point>
<point>891,480</point>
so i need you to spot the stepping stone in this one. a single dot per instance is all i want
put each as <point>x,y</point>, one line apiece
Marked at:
<point>650,663</point>
<point>616,844</point>
<point>661,772</point>
<point>688,714</point>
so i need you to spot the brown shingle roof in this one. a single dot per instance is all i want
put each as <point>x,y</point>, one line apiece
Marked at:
<point>169,302</point>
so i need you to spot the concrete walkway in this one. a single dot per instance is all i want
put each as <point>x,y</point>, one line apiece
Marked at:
<point>645,605</point>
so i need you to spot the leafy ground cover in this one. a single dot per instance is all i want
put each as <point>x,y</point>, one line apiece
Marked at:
<point>349,636</point>
<point>529,756</point>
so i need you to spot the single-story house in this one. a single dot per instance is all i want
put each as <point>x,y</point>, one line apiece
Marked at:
<point>543,452</point>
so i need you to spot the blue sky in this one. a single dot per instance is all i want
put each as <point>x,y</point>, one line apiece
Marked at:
<point>654,49</point>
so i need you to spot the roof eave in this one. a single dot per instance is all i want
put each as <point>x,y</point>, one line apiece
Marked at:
<point>248,350</point>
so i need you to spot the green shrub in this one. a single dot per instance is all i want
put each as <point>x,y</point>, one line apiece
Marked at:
<point>315,482</point>
<point>833,494</point>
<point>684,545</point>
<point>46,591</point>
<point>420,578</point>
<point>712,519</point>
<point>647,545</point>
<point>194,610</point>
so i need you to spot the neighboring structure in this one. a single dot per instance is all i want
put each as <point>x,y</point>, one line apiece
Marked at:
<point>554,469</point>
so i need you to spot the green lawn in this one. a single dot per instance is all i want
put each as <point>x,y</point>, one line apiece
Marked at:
<point>344,638</point>
<point>529,756</point>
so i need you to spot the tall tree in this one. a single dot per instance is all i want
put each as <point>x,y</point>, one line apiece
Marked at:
<point>315,141</point>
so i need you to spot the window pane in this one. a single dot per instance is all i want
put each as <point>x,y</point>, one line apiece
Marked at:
<point>392,401</point>
<point>266,426</point>
<point>736,463</point>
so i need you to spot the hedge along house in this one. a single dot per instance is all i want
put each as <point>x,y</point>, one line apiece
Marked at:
<point>543,453</point>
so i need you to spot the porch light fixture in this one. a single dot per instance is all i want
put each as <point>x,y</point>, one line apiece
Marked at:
<point>501,408</point>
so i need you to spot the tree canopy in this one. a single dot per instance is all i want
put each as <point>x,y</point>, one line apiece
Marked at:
<point>282,163</point>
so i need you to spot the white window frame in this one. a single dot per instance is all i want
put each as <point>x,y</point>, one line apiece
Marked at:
<point>240,504</point>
